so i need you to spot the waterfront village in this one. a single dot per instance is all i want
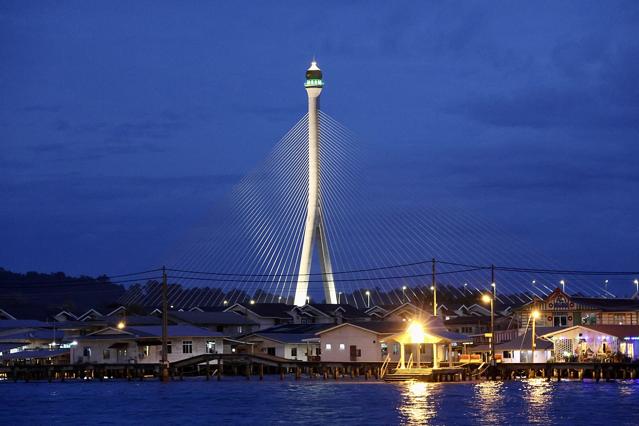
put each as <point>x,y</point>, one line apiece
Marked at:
<point>379,340</point>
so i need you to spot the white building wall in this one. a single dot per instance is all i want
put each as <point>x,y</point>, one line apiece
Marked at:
<point>135,354</point>
<point>366,341</point>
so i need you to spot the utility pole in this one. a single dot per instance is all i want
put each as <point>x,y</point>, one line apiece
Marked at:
<point>434,286</point>
<point>492,314</point>
<point>164,367</point>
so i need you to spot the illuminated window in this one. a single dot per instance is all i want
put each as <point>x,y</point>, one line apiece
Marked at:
<point>328,347</point>
<point>395,348</point>
<point>146,350</point>
<point>560,320</point>
<point>210,347</point>
<point>342,346</point>
<point>187,347</point>
<point>106,354</point>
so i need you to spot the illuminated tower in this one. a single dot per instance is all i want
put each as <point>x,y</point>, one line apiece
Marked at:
<point>314,229</point>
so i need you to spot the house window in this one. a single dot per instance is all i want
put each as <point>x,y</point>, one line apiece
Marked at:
<point>619,318</point>
<point>318,351</point>
<point>210,347</point>
<point>87,351</point>
<point>219,328</point>
<point>146,350</point>
<point>270,351</point>
<point>239,328</point>
<point>106,354</point>
<point>466,329</point>
<point>342,346</point>
<point>508,354</point>
<point>560,320</point>
<point>328,346</point>
<point>169,348</point>
<point>293,351</point>
<point>395,348</point>
<point>187,346</point>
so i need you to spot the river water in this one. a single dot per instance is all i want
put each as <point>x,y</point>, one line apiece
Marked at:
<point>311,402</point>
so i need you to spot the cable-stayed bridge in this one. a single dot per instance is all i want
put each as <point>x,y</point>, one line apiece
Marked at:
<point>305,225</point>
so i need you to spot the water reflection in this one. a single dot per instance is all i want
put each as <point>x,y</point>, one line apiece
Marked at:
<point>538,394</point>
<point>489,398</point>
<point>417,405</point>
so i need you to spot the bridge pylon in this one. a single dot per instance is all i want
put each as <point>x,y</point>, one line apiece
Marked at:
<point>314,229</point>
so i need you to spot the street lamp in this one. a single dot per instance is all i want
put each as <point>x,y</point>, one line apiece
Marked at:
<point>368,296</point>
<point>534,314</point>
<point>486,299</point>
<point>121,325</point>
<point>339,298</point>
<point>637,285</point>
<point>404,293</point>
<point>563,285</point>
<point>252,302</point>
<point>606,285</point>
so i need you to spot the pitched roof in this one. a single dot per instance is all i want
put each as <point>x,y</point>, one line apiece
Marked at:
<point>291,333</point>
<point>348,311</point>
<point>620,331</point>
<point>173,331</point>
<point>266,310</point>
<point>42,353</point>
<point>524,342</point>
<point>286,337</point>
<point>210,318</point>
<point>609,305</point>
<point>8,324</point>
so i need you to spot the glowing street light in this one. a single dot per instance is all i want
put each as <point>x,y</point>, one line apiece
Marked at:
<point>488,299</point>
<point>416,332</point>
<point>534,315</point>
<point>368,296</point>
<point>339,298</point>
<point>606,285</point>
<point>226,302</point>
<point>637,285</point>
<point>404,293</point>
<point>563,285</point>
<point>252,302</point>
<point>121,325</point>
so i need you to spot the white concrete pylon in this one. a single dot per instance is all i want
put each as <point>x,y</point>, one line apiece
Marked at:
<point>314,229</point>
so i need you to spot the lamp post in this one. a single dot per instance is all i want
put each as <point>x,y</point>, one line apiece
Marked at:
<point>637,285</point>
<point>368,299</point>
<point>534,314</point>
<point>339,298</point>
<point>404,293</point>
<point>563,285</point>
<point>487,298</point>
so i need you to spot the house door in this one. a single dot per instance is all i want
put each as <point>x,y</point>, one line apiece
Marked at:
<point>353,353</point>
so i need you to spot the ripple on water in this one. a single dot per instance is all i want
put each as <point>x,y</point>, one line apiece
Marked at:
<point>313,402</point>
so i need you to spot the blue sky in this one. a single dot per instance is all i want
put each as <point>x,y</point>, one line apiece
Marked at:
<point>122,123</point>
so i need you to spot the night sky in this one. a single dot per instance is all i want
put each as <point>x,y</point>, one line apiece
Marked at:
<point>123,123</point>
